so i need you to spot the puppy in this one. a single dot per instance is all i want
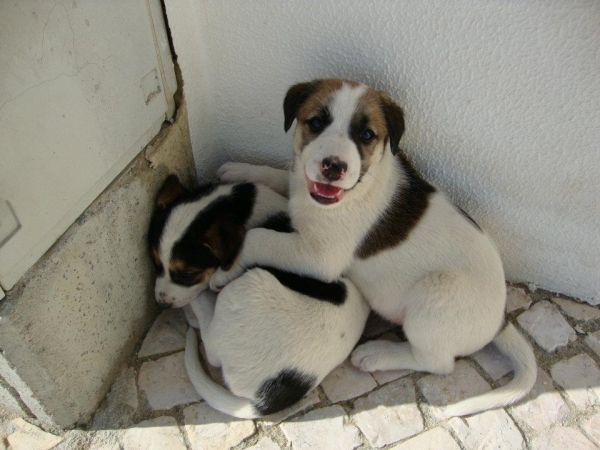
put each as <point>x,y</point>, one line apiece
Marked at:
<point>275,334</point>
<point>360,208</point>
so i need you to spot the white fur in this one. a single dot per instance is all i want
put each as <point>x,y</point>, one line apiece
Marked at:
<point>258,327</point>
<point>444,283</point>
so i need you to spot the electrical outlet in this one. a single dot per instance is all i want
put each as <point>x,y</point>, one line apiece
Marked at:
<point>9,223</point>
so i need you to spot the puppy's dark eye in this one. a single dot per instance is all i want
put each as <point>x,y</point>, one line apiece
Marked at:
<point>316,124</point>
<point>367,135</point>
<point>187,278</point>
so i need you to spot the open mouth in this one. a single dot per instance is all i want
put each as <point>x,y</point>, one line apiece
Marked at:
<point>325,194</point>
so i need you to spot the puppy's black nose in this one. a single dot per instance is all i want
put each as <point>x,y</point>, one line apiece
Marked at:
<point>333,169</point>
<point>163,305</point>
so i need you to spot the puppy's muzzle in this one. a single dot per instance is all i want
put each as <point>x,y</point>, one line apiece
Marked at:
<point>333,168</point>
<point>163,300</point>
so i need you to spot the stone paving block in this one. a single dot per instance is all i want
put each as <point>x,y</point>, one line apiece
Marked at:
<point>264,444</point>
<point>593,341</point>
<point>441,391</point>
<point>580,378</point>
<point>576,310</point>
<point>389,414</point>
<point>435,439</point>
<point>562,438</point>
<point>9,404</point>
<point>310,399</point>
<point>389,375</point>
<point>106,440</point>
<point>167,334</point>
<point>543,406</point>
<point>347,382</point>
<point>377,325</point>
<point>488,430</point>
<point>516,298</point>
<point>154,434</point>
<point>28,437</point>
<point>547,326</point>
<point>122,402</point>
<point>592,428</point>
<point>325,428</point>
<point>73,440</point>
<point>165,382</point>
<point>208,429</point>
<point>494,363</point>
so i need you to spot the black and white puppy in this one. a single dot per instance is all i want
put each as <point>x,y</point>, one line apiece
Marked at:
<point>360,208</point>
<point>275,334</point>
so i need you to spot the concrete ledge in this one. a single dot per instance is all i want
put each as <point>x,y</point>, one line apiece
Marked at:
<point>70,323</point>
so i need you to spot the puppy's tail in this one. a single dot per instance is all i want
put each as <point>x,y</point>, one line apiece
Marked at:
<point>510,342</point>
<point>215,395</point>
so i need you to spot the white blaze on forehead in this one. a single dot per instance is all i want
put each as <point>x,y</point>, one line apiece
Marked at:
<point>179,221</point>
<point>343,106</point>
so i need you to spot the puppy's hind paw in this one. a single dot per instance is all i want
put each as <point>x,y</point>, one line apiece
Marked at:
<point>366,357</point>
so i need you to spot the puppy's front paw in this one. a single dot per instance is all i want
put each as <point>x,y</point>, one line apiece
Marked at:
<point>220,278</point>
<point>371,356</point>
<point>233,172</point>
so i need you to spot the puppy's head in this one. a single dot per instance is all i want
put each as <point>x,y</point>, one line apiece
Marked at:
<point>343,129</point>
<point>189,239</point>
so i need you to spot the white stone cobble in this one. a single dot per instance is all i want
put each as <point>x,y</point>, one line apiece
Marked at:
<point>441,391</point>
<point>389,414</point>
<point>156,434</point>
<point>543,406</point>
<point>347,382</point>
<point>494,363</point>
<point>562,438</point>
<point>592,428</point>
<point>29,437</point>
<point>165,382</point>
<point>325,428</point>
<point>208,429</point>
<point>545,324</point>
<point>167,334</point>
<point>593,341</point>
<point>435,439</point>
<point>580,377</point>
<point>488,430</point>
<point>576,310</point>
<point>264,444</point>
<point>516,298</point>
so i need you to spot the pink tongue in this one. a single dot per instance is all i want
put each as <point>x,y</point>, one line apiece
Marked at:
<point>326,190</point>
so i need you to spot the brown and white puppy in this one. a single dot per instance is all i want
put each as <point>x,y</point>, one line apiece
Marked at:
<point>360,208</point>
<point>275,334</point>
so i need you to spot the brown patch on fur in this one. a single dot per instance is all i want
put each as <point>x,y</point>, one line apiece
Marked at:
<point>225,238</point>
<point>170,191</point>
<point>156,257</point>
<point>401,216</point>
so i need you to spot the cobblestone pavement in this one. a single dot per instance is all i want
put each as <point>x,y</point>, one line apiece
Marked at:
<point>152,405</point>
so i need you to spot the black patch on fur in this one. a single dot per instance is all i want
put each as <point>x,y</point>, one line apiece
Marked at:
<point>469,218</point>
<point>279,222</point>
<point>283,390</point>
<point>294,99</point>
<point>232,211</point>
<point>357,126</point>
<point>401,215</point>
<point>334,292</point>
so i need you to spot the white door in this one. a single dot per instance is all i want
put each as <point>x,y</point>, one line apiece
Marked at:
<point>84,86</point>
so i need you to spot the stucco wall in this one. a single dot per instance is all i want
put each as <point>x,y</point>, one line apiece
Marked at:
<point>502,102</point>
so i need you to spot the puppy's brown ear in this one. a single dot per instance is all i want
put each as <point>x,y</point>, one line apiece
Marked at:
<point>394,120</point>
<point>225,239</point>
<point>294,99</point>
<point>170,191</point>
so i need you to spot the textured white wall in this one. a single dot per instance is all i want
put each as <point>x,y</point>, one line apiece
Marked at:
<point>502,100</point>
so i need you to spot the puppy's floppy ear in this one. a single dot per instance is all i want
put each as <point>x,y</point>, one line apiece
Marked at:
<point>295,97</point>
<point>170,191</point>
<point>394,120</point>
<point>225,239</point>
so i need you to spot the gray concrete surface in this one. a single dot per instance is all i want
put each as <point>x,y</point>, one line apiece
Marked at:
<point>69,325</point>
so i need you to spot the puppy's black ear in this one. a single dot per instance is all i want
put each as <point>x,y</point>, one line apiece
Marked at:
<point>295,97</point>
<point>394,120</point>
<point>170,191</point>
<point>225,239</point>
